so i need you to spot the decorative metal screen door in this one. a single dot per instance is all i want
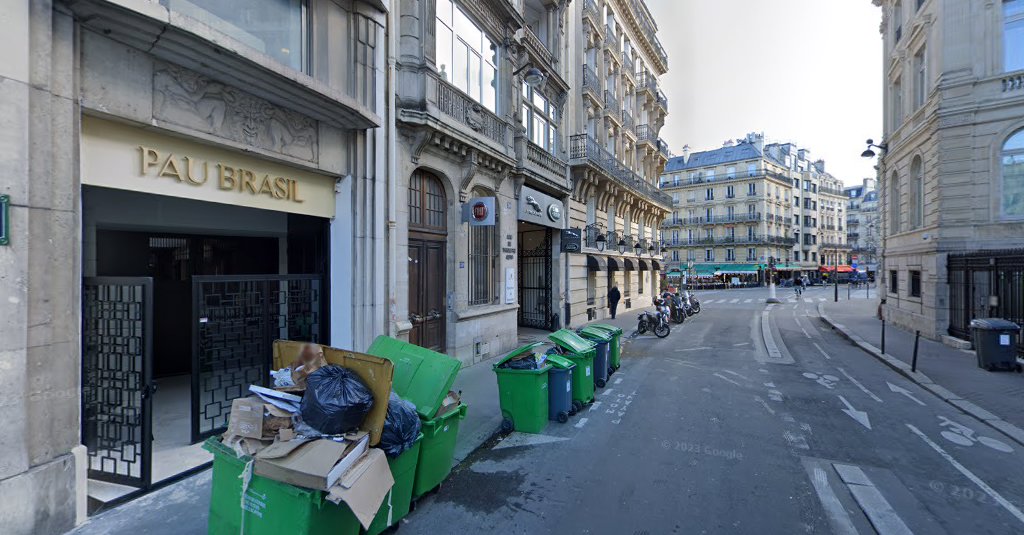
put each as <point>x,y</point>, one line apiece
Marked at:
<point>535,279</point>
<point>236,320</point>
<point>117,352</point>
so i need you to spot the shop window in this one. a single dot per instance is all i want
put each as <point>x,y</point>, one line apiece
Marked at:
<point>483,259</point>
<point>915,284</point>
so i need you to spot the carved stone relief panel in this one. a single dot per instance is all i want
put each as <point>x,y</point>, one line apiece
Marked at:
<point>189,99</point>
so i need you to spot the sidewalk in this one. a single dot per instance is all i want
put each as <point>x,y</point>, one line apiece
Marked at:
<point>952,374</point>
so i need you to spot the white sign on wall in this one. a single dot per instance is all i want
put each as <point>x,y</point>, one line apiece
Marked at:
<point>510,286</point>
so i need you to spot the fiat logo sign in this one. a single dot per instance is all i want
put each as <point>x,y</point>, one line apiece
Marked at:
<point>479,211</point>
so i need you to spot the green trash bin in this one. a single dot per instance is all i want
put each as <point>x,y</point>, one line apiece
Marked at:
<point>523,394</point>
<point>422,377</point>
<point>615,348</point>
<point>399,500</point>
<point>270,507</point>
<point>437,452</point>
<point>581,352</point>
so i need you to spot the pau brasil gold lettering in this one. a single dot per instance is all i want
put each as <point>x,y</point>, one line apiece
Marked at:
<point>229,178</point>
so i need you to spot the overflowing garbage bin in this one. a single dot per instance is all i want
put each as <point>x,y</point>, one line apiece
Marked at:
<point>615,348</point>
<point>574,343</point>
<point>425,378</point>
<point>583,374</point>
<point>603,339</point>
<point>523,389</point>
<point>995,343</point>
<point>560,388</point>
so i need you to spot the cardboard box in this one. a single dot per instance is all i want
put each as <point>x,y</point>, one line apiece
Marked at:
<point>313,464</point>
<point>251,417</point>
<point>375,372</point>
<point>450,403</point>
<point>364,486</point>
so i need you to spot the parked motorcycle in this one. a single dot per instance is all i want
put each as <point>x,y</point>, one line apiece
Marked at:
<point>692,301</point>
<point>656,322</point>
<point>677,308</point>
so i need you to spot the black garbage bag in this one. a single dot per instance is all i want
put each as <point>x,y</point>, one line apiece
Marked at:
<point>401,427</point>
<point>336,400</point>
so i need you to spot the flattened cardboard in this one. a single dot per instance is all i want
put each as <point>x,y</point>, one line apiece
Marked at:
<point>449,404</point>
<point>364,487</point>
<point>375,372</point>
<point>312,464</point>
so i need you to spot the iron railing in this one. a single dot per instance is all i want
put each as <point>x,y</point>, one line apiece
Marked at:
<point>591,82</point>
<point>644,133</point>
<point>986,284</point>
<point>467,111</point>
<point>585,149</point>
<point>611,103</point>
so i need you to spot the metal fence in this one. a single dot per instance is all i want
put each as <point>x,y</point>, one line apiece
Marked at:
<point>986,284</point>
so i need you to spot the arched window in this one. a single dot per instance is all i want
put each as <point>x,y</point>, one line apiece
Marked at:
<point>894,203</point>
<point>427,204</point>
<point>483,258</point>
<point>916,193</point>
<point>1013,176</point>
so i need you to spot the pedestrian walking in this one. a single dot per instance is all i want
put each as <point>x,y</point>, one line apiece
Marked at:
<point>613,299</point>
<point>798,285</point>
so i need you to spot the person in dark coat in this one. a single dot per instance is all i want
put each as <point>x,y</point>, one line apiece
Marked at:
<point>613,299</point>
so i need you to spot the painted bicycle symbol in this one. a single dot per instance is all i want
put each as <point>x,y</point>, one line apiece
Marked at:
<point>827,381</point>
<point>964,436</point>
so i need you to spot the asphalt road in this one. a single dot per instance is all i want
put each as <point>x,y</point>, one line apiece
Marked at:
<point>710,431</point>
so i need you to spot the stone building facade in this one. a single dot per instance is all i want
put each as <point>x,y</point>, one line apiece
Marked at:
<point>616,111</point>
<point>186,181</point>
<point>736,206</point>
<point>950,177</point>
<point>863,228</point>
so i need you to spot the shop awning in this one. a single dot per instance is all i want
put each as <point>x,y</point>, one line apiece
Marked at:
<point>614,264</point>
<point>642,264</point>
<point>596,263</point>
<point>842,269</point>
<point>736,269</point>
<point>674,274</point>
<point>628,262</point>
<point>655,265</point>
<point>787,267</point>
<point>704,270</point>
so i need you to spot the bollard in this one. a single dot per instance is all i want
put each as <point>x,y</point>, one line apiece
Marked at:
<point>883,336</point>
<point>913,363</point>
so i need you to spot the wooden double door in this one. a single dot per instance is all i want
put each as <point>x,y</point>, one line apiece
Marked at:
<point>427,307</point>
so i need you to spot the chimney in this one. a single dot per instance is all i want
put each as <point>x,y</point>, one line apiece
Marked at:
<point>686,154</point>
<point>728,143</point>
<point>757,140</point>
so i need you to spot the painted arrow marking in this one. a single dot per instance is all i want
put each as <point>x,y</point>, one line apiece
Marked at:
<point>860,416</point>
<point>904,391</point>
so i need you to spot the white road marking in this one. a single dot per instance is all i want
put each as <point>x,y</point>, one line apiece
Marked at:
<point>741,344</point>
<point>735,301</point>
<point>837,515</point>
<point>748,300</point>
<point>883,517</point>
<point>860,386</point>
<point>801,325</point>
<point>582,422</point>
<point>526,439</point>
<point>730,372</point>
<point>970,475</point>
<point>821,299</point>
<point>775,395</point>
<point>619,380</point>
<point>860,416</point>
<point>692,349</point>
<point>764,404</point>
<point>608,391</point>
<point>770,385</point>
<point>905,392</point>
<point>595,405</point>
<point>796,440</point>
<point>822,351</point>
<point>720,376</point>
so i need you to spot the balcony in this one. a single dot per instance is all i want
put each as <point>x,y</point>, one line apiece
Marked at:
<point>832,245</point>
<point>663,149</point>
<point>538,48</point>
<point>628,66</point>
<point>648,83</point>
<point>611,44</point>
<point>669,223</point>
<point>584,150</point>
<point>831,191</point>
<point>646,134</point>
<point>592,85</point>
<point>545,164</point>
<point>611,106</point>
<point>649,31</point>
<point>662,101</point>
<point>592,12</point>
<point>627,122</point>
<point>459,106</point>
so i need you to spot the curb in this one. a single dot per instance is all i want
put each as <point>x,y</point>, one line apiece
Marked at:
<point>922,380</point>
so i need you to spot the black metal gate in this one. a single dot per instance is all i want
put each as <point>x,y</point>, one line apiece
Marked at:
<point>535,280</point>
<point>117,351</point>
<point>985,284</point>
<point>236,320</point>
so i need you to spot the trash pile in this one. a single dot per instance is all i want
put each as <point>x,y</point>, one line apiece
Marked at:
<point>343,431</point>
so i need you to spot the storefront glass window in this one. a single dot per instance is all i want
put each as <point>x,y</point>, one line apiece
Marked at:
<point>276,28</point>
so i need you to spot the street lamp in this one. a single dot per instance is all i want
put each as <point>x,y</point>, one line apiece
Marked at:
<point>622,246</point>
<point>868,153</point>
<point>638,248</point>
<point>651,250</point>
<point>534,77</point>
<point>601,242</point>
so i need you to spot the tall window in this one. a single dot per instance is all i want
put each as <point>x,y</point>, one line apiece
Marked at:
<point>627,284</point>
<point>897,21</point>
<point>709,255</point>
<point>709,194</point>
<point>730,255</point>
<point>915,283</point>
<point>465,55</point>
<point>640,282</point>
<point>920,78</point>
<point>540,118</point>
<point>591,287</point>
<point>894,280</point>
<point>1013,176</point>
<point>894,203</point>
<point>751,254</point>
<point>897,103</point>
<point>427,208</point>
<point>751,169</point>
<point>483,259</point>
<point>1013,35</point>
<point>916,193</point>
<point>730,172</point>
<point>730,192</point>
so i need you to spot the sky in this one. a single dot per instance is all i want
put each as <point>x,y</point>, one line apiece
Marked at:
<point>801,71</point>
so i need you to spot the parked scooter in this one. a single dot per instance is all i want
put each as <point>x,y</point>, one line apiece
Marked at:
<point>656,323</point>
<point>677,309</point>
<point>692,301</point>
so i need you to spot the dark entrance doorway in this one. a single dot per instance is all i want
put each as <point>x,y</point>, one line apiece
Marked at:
<point>427,261</point>
<point>535,277</point>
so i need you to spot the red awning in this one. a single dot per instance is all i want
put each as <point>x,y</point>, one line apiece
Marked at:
<point>842,269</point>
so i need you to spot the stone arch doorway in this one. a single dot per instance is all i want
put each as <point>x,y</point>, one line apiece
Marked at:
<point>428,240</point>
